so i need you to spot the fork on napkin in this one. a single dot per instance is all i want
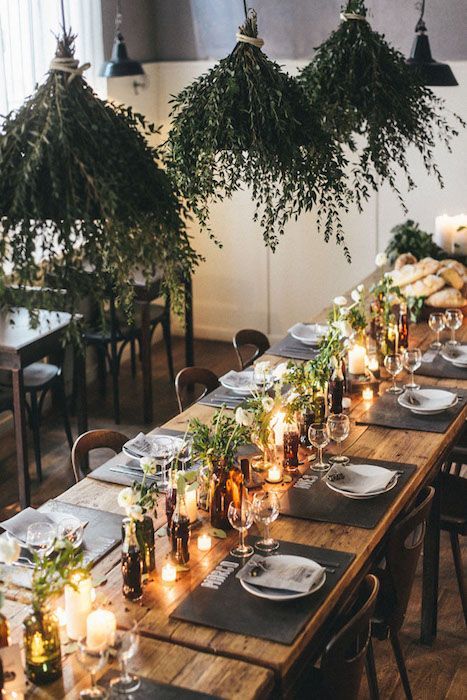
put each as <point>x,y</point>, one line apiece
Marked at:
<point>272,572</point>
<point>360,478</point>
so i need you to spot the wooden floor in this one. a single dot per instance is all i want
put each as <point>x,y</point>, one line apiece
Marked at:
<point>437,673</point>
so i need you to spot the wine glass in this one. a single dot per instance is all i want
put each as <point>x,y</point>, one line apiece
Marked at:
<point>437,323</point>
<point>319,438</point>
<point>163,451</point>
<point>338,426</point>
<point>265,511</point>
<point>92,659</point>
<point>40,538</point>
<point>412,359</point>
<point>183,451</point>
<point>393,364</point>
<point>71,529</point>
<point>454,319</point>
<point>126,646</point>
<point>241,518</point>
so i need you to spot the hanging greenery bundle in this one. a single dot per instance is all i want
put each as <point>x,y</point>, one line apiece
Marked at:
<point>362,86</point>
<point>247,123</point>
<point>81,190</point>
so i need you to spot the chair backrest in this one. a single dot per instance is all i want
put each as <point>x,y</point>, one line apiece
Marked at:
<point>344,657</point>
<point>255,341</point>
<point>187,378</point>
<point>93,440</point>
<point>402,553</point>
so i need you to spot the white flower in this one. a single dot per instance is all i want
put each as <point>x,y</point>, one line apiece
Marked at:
<point>135,512</point>
<point>381,260</point>
<point>361,288</point>
<point>280,370</point>
<point>340,301</point>
<point>244,417</point>
<point>268,403</point>
<point>334,363</point>
<point>291,397</point>
<point>344,328</point>
<point>127,497</point>
<point>148,465</point>
<point>262,368</point>
<point>9,550</point>
<point>355,294</point>
<point>343,312</point>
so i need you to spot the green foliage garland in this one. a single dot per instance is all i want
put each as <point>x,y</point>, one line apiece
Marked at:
<point>79,180</point>
<point>218,440</point>
<point>246,122</point>
<point>362,86</point>
<point>409,238</point>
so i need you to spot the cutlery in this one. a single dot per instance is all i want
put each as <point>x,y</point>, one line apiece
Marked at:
<point>131,472</point>
<point>411,398</point>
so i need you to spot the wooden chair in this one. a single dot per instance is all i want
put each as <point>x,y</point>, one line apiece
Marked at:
<point>187,378</point>
<point>341,668</point>
<point>93,440</point>
<point>396,579</point>
<point>254,340</point>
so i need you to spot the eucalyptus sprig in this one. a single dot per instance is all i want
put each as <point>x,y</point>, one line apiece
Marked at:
<point>219,440</point>
<point>362,87</point>
<point>52,573</point>
<point>246,123</point>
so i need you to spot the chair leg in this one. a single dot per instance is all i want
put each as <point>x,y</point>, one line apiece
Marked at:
<point>371,676</point>
<point>101,370</point>
<point>35,427</point>
<point>61,399</point>
<point>133,357</point>
<point>456,553</point>
<point>168,346</point>
<point>397,649</point>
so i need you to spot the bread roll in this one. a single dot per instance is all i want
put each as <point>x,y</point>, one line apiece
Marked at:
<point>455,265</point>
<point>407,274</point>
<point>446,298</point>
<point>423,288</point>
<point>429,265</point>
<point>451,277</point>
<point>404,259</point>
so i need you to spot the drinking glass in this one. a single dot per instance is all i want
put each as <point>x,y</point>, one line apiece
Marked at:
<point>412,359</point>
<point>393,364</point>
<point>126,646</point>
<point>241,518</point>
<point>437,323</point>
<point>163,451</point>
<point>454,319</point>
<point>265,511</point>
<point>92,660</point>
<point>338,426</point>
<point>319,438</point>
<point>183,451</point>
<point>71,529</point>
<point>40,538</point>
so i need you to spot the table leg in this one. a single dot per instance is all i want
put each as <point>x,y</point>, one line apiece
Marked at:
<point>189,333</point>
<point>431,569</point>
<point>146,364</point>
<point>19,413</point>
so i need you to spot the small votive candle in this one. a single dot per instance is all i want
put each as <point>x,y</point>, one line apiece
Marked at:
<point>274,474</point>
<point>169,573</point>
<point>367,394</point>
<point>100,629</point>
<point>204,543</point>
<point>78,604</point>
<point>373,364</point>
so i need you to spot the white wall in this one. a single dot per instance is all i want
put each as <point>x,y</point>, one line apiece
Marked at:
<point>245,285</point>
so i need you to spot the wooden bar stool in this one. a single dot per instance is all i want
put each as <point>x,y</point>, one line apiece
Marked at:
<point>187,378</point>
<point>250,340</point>
<point>94,440</point>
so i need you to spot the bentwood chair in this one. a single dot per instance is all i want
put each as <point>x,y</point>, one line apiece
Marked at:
<point>94,440</point>
<point>249,345</point>
<point>341,668</point>
<point>396,579</point>
<point>187,379</point>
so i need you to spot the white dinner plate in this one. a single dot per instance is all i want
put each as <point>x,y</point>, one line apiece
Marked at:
<point>363,496</point>
<point>178,443</point>
<point>242,383</point>
<point>308,334</point>
<point>278,595</point>
<point>432,401</point>
<point>460,358</point>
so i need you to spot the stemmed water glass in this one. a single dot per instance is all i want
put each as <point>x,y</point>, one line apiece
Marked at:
<point>393,364</point>
<point>71,529</point>
<point>319,437</point>
<point>163,451</point>
<point>240,516</point>
<point>437,323</point>
<point>126,646</point>
<point>40,538</point>
<point>338,426</point>
<point>265,511</point>
<point>183,451</point>
<point>412,359</point>
<point>92,659</point>
<point>454,319</point>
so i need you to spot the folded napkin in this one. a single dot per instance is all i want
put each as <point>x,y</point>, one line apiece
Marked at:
<point>360,478</point>
<point>429,356</point>
<point>274,572</point>
<point>140,446</point>
<point>17,526</point>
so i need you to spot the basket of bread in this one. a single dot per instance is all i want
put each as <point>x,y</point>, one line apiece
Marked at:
<point>442,284</point>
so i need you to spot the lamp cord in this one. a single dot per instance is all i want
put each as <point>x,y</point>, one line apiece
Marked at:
<point>245,8</point>
<point>62,5</point>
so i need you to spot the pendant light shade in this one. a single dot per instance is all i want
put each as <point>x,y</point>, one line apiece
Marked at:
<point>120,65</point>
<point>432,72</point>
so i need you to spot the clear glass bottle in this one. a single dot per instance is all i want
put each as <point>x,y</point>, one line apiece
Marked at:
<point>41,636</point>
<point>132,562</point>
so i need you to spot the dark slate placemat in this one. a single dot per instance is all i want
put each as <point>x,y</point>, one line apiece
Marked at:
<point>388,413</point>
<point>294,349</point>
<point>441,368</point>
<point>227,606</point>
<point>152,690</point>
<point>311,499</point>
<point>222,396</point>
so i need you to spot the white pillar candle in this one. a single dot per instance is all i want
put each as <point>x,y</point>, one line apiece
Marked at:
<point>445,227</point>
<point>357,359</point>
<point>78,604</point>
<point>169,573</point>
<point>204,543</point>
<point>191,503</point>
<point>459,237</point>
<point>100,629</point>
<point>278,427</point>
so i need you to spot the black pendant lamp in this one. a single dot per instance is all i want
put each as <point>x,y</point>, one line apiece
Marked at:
<point>432,72</point>
<point>120,65</point>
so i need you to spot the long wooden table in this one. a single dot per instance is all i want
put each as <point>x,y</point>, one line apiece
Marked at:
<point>425,450</point>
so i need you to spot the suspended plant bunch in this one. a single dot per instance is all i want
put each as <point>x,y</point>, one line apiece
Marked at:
<point>81,189</point>
<point>362,86</point>
<point>247,123</point>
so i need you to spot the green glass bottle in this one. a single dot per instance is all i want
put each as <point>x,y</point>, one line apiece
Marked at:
<point>41,637</point>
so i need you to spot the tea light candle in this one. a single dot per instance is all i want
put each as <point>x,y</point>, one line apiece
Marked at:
<point>169,573</point>
<point>100,629</point>
<point>373,364</point>
<point>274,474</point>
<point>38,655</point>
<point>78,604</point>
<point>204,543</point>
<point>191,504</point>
<point>357,360</point>
<point>367,394</point>
<point>346,403</point>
